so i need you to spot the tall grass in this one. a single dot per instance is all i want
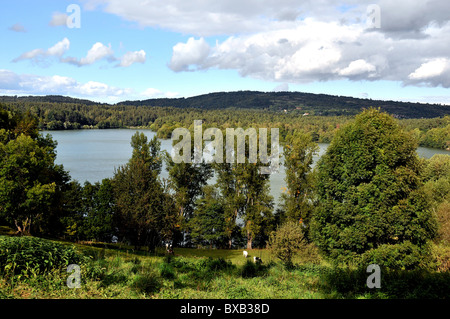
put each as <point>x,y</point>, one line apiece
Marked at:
<point>111,273</point>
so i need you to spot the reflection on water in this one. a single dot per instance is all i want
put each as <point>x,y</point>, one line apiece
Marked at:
<point>92,155</point>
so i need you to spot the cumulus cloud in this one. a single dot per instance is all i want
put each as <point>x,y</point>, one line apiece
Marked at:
<point>320,51</point>
<point>299,41</point>
<point>132,57</point>
<point>12,83</point>
<point>430,69</point>
<point>97,52</point>
<point>433,73</point>
<point>39,55</point>
<point>193,52</point>
<point>23,84</point>
<point>357,67</point>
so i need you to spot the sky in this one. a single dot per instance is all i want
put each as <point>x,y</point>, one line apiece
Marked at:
<point>114,50</point>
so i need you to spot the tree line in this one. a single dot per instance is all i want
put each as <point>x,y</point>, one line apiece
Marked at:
<point>56,115</point>
<point>370,198</point>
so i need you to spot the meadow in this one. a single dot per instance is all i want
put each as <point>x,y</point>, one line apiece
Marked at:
<point>34,268</point>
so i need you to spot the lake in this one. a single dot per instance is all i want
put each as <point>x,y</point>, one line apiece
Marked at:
<point>92,155</point>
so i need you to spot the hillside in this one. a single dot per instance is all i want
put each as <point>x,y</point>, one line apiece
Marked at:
<point>315,104</point>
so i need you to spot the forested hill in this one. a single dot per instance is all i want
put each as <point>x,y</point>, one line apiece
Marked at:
<point>48,99</point>
<point>317,104</point>
<point>314,104</point>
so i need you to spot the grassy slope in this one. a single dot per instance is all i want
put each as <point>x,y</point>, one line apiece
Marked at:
<point>124,274</point>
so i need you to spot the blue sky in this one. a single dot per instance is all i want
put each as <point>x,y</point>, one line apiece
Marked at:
<point>137,49</point>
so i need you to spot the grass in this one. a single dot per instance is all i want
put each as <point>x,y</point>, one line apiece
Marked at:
<point>214,273</point>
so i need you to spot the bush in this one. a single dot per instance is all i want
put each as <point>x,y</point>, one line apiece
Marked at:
<point>286,241</point>
<point>404,256</point>
<point>147,282</point>
<point>30,255</point>
<point>369,194</point>
<point>395,284</point>
<point>250,269</point>
<point>166,270</point>
<point>213,264</point>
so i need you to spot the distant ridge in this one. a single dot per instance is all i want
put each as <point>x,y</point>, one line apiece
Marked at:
<point>314,104</point>
<point>317,104</point>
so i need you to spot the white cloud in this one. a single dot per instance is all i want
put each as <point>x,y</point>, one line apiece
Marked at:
<point>224,17</point>
<point>193,52</point>
<point>12,83</point>
<point>321,51</point>
<point>357,67</point>
<point>299,41</point>
<point>58,19</point>
<point>151,93</point>
<point>132,57</point>
<point>430,69</point>
<point>25,84</point>
<point>59,48</point>
<point>96,53</point>
<point>39,55</point>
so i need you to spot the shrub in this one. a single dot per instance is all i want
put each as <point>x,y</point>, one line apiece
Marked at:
<point>27,255</point>
<point>403,256</point>
<point>286,241</point>
<point>213,264</point>
<point>250,269</point>
<point>147,282</point>
<point>166,270</point>
<point>369,194</point>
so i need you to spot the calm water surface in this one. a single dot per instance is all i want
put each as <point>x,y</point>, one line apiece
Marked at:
<point>92,155</point>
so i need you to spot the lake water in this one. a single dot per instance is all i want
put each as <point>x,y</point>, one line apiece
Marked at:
<point>92,155</point>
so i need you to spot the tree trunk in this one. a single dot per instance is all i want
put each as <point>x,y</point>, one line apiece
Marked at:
<point>249,240</point>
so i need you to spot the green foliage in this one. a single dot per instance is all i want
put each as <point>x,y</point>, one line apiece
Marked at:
<point>251,269</point>
<point>369,191</point>
<point>437,188</point>
<point>402,256</point>
<point>298,153</point>
<point>167,271</point>
<point>287,241</point>
<point>213,264</point>
<point>28,256</point>
<point>30,181</point>
<point>145,212</point>
<point>148,282</point>
<point>207,226</point>
<point>395,284</point>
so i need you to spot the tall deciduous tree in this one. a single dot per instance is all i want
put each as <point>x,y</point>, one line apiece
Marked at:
<point>30,181</point>
<point>207,226</point>
<point>145,212</point>
<point>298,151</point>
<point>246,193</point>
<point>371,206</point>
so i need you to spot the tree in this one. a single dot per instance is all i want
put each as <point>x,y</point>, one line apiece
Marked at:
<point>369,193</point>
<point>145,212</point>
<point>186,181</point>
<point>286,241</point>
<point>207,226</point>
<point>246,194</point>
<point>298,151</point>
<point>437,188</point>
<point>98,207</point>
<point>30,181</point>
